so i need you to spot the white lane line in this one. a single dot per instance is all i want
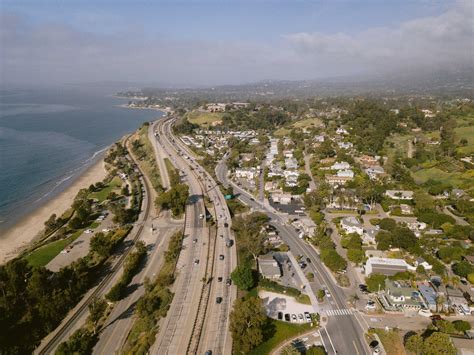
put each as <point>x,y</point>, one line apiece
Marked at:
<point>330,341</point>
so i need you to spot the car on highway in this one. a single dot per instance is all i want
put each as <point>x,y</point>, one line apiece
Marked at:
<point>228,282</point>
<point>308,260</point>
<point>219,279</point>
<point>195,240</point>
<point>328,294</point>
<point>196,262</point>
<point>218,300</point>
<point>221,257</point>
<point>293,318</point>
<point>226,224</point>
<point>209,352</point>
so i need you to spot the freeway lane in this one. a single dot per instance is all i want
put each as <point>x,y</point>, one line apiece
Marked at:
<point>344,330</point>
<point>176,328</point>
<point>215,335</point>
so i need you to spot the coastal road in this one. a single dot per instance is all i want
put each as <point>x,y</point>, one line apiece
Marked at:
<point>343,328</point>
<point>78,315</point>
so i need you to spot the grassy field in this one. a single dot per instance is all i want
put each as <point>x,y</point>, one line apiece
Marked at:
<point>43,255</point>
<point>283,332</point>
<point>113,185</point>
<point>461,180</point>
<point>308,123</point>
<point>280,132</point>
<point>391,341</point>
<point>466,133</point>
<point>204,118</point>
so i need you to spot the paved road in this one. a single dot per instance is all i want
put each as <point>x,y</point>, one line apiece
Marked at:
<point>211,323</point>
<point>344,330</point>
<point>78,315</point>
<point>176,328</point>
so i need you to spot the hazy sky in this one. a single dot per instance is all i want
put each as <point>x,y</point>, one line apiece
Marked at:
<point>217,42</point>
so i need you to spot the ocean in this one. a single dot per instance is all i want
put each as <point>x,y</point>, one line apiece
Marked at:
<point>48,137</point>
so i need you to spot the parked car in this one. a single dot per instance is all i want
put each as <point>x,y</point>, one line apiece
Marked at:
<point>300,317</point>
<point>293,318</point>
<point>307,316</point>
<point>370,305</point>
<point>280,315</point>
<point>287,317</point>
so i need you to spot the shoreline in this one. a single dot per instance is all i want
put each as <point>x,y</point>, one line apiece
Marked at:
<point>17,237</point>
<point>165,110</point>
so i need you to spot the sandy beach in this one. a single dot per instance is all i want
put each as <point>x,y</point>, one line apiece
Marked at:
<point>23,233</point>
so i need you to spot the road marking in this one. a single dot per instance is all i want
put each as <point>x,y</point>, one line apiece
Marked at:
<point>355,347</point>
<point>330,341</point>
<point>339,312</point>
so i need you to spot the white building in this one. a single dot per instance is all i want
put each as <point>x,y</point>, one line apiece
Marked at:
<point>385,266</point>
<point>246,173</point>
<point>352,225</point>
<point>341,130</point>
<point>345,173</point>
<point>340,165</point>
<point>399,194</point>
<point>345,145</point>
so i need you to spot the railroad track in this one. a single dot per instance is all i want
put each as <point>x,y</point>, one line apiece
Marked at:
<point>57,337</point>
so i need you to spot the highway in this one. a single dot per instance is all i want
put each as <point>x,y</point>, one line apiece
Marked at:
<point>176,329</point>
<point>78,315</point>
<point>208,319</point>
<point>343,332</point>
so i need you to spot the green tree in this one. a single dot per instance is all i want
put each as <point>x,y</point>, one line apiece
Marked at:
<point>357,256</point>
<point>462,325</point>
<point>463,268</point>
<point>387,224</point>
<point>438,343</point>
<point>375,282</point>
<point>320,295</point>
<point>97,310</point>
<point>289,350</point>
<point>333,260</point>
<point>316,350</point>
<point>242,276</point>
<point>247,322</point>
<point>414,344</point>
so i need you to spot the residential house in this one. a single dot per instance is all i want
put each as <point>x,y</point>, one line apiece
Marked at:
<point>281,198</point>
<point>217,107</point>
<point>334,180</point>
<point>406,209</point>
<point>401,296</point>
<point>368,237</point>
<point>368,161</point>
<point>340,166</point>
<point>291,163</point>
<point>345,145</point>
<point>429,296</point>
<point>246,173</point>
<point>269,267</point>
<point>345,173</point>
<point>319,139</point>
<point>305,225</point>
<point>341,130</point>
<point>352,225</point>
<point>399,194</point>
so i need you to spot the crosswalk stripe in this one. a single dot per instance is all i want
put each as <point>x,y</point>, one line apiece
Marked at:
<point>339,312</point>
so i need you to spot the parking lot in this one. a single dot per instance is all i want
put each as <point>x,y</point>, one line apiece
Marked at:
<point>276,302</point>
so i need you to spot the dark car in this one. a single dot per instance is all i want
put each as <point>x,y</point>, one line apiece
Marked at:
<point>221,257</point>
<point>219,300</point>
<point>228,282</point>
<point>209,352</point>
<point>226,224</point>
<point>219,279</point>
<point>308,260</point>
<point>287,317</point>
<point>280,315</point>
<point>435,317</point>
